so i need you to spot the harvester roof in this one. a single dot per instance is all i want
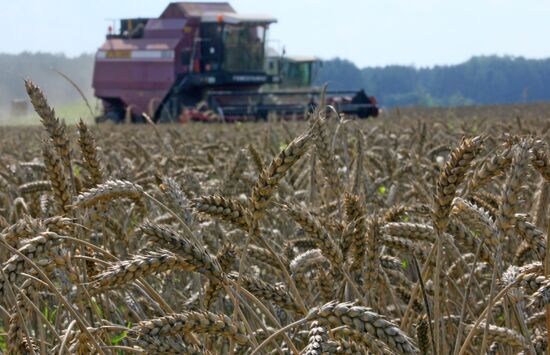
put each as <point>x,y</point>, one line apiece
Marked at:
<point>233,18</point>
<point>212,12</point>
<point>195,9</point>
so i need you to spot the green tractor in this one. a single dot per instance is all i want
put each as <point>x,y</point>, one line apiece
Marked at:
<point>297,75</point>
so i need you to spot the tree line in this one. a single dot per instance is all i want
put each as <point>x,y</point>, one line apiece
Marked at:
<point>480,80</point>
<point>40,67</point>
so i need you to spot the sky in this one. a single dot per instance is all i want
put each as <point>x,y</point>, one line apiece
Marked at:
<point>368,32</point>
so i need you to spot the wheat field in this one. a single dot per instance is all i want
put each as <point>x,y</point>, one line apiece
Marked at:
<point>419,232</point>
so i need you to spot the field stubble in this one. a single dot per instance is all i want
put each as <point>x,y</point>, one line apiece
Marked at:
<point>417,232</point>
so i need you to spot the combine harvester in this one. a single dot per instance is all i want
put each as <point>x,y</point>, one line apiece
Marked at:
<point>204,62</point>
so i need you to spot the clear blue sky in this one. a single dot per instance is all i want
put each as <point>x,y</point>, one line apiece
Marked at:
<point>368,32</point>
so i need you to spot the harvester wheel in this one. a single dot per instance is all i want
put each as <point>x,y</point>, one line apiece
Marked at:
<point>111,116</point>
<point>262,115</point>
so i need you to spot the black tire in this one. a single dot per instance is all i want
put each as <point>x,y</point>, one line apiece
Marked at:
<point>262,115</point>
<point>138,119</point>
<point>113,116</point>
<point>367,112</point>
<point>363,113</point>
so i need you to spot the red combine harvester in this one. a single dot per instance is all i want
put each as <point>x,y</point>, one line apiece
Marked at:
<point>200,61</point>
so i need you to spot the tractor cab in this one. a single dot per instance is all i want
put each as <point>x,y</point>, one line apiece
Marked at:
<point>299,72</point>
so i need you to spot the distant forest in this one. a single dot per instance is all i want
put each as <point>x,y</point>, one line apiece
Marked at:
<point>480,80</point>
<point>39,67</point>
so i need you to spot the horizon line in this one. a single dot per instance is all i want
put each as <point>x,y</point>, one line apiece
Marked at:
<point>410,65</point>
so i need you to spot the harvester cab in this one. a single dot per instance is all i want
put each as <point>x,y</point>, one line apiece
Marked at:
<point>198,61</point>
